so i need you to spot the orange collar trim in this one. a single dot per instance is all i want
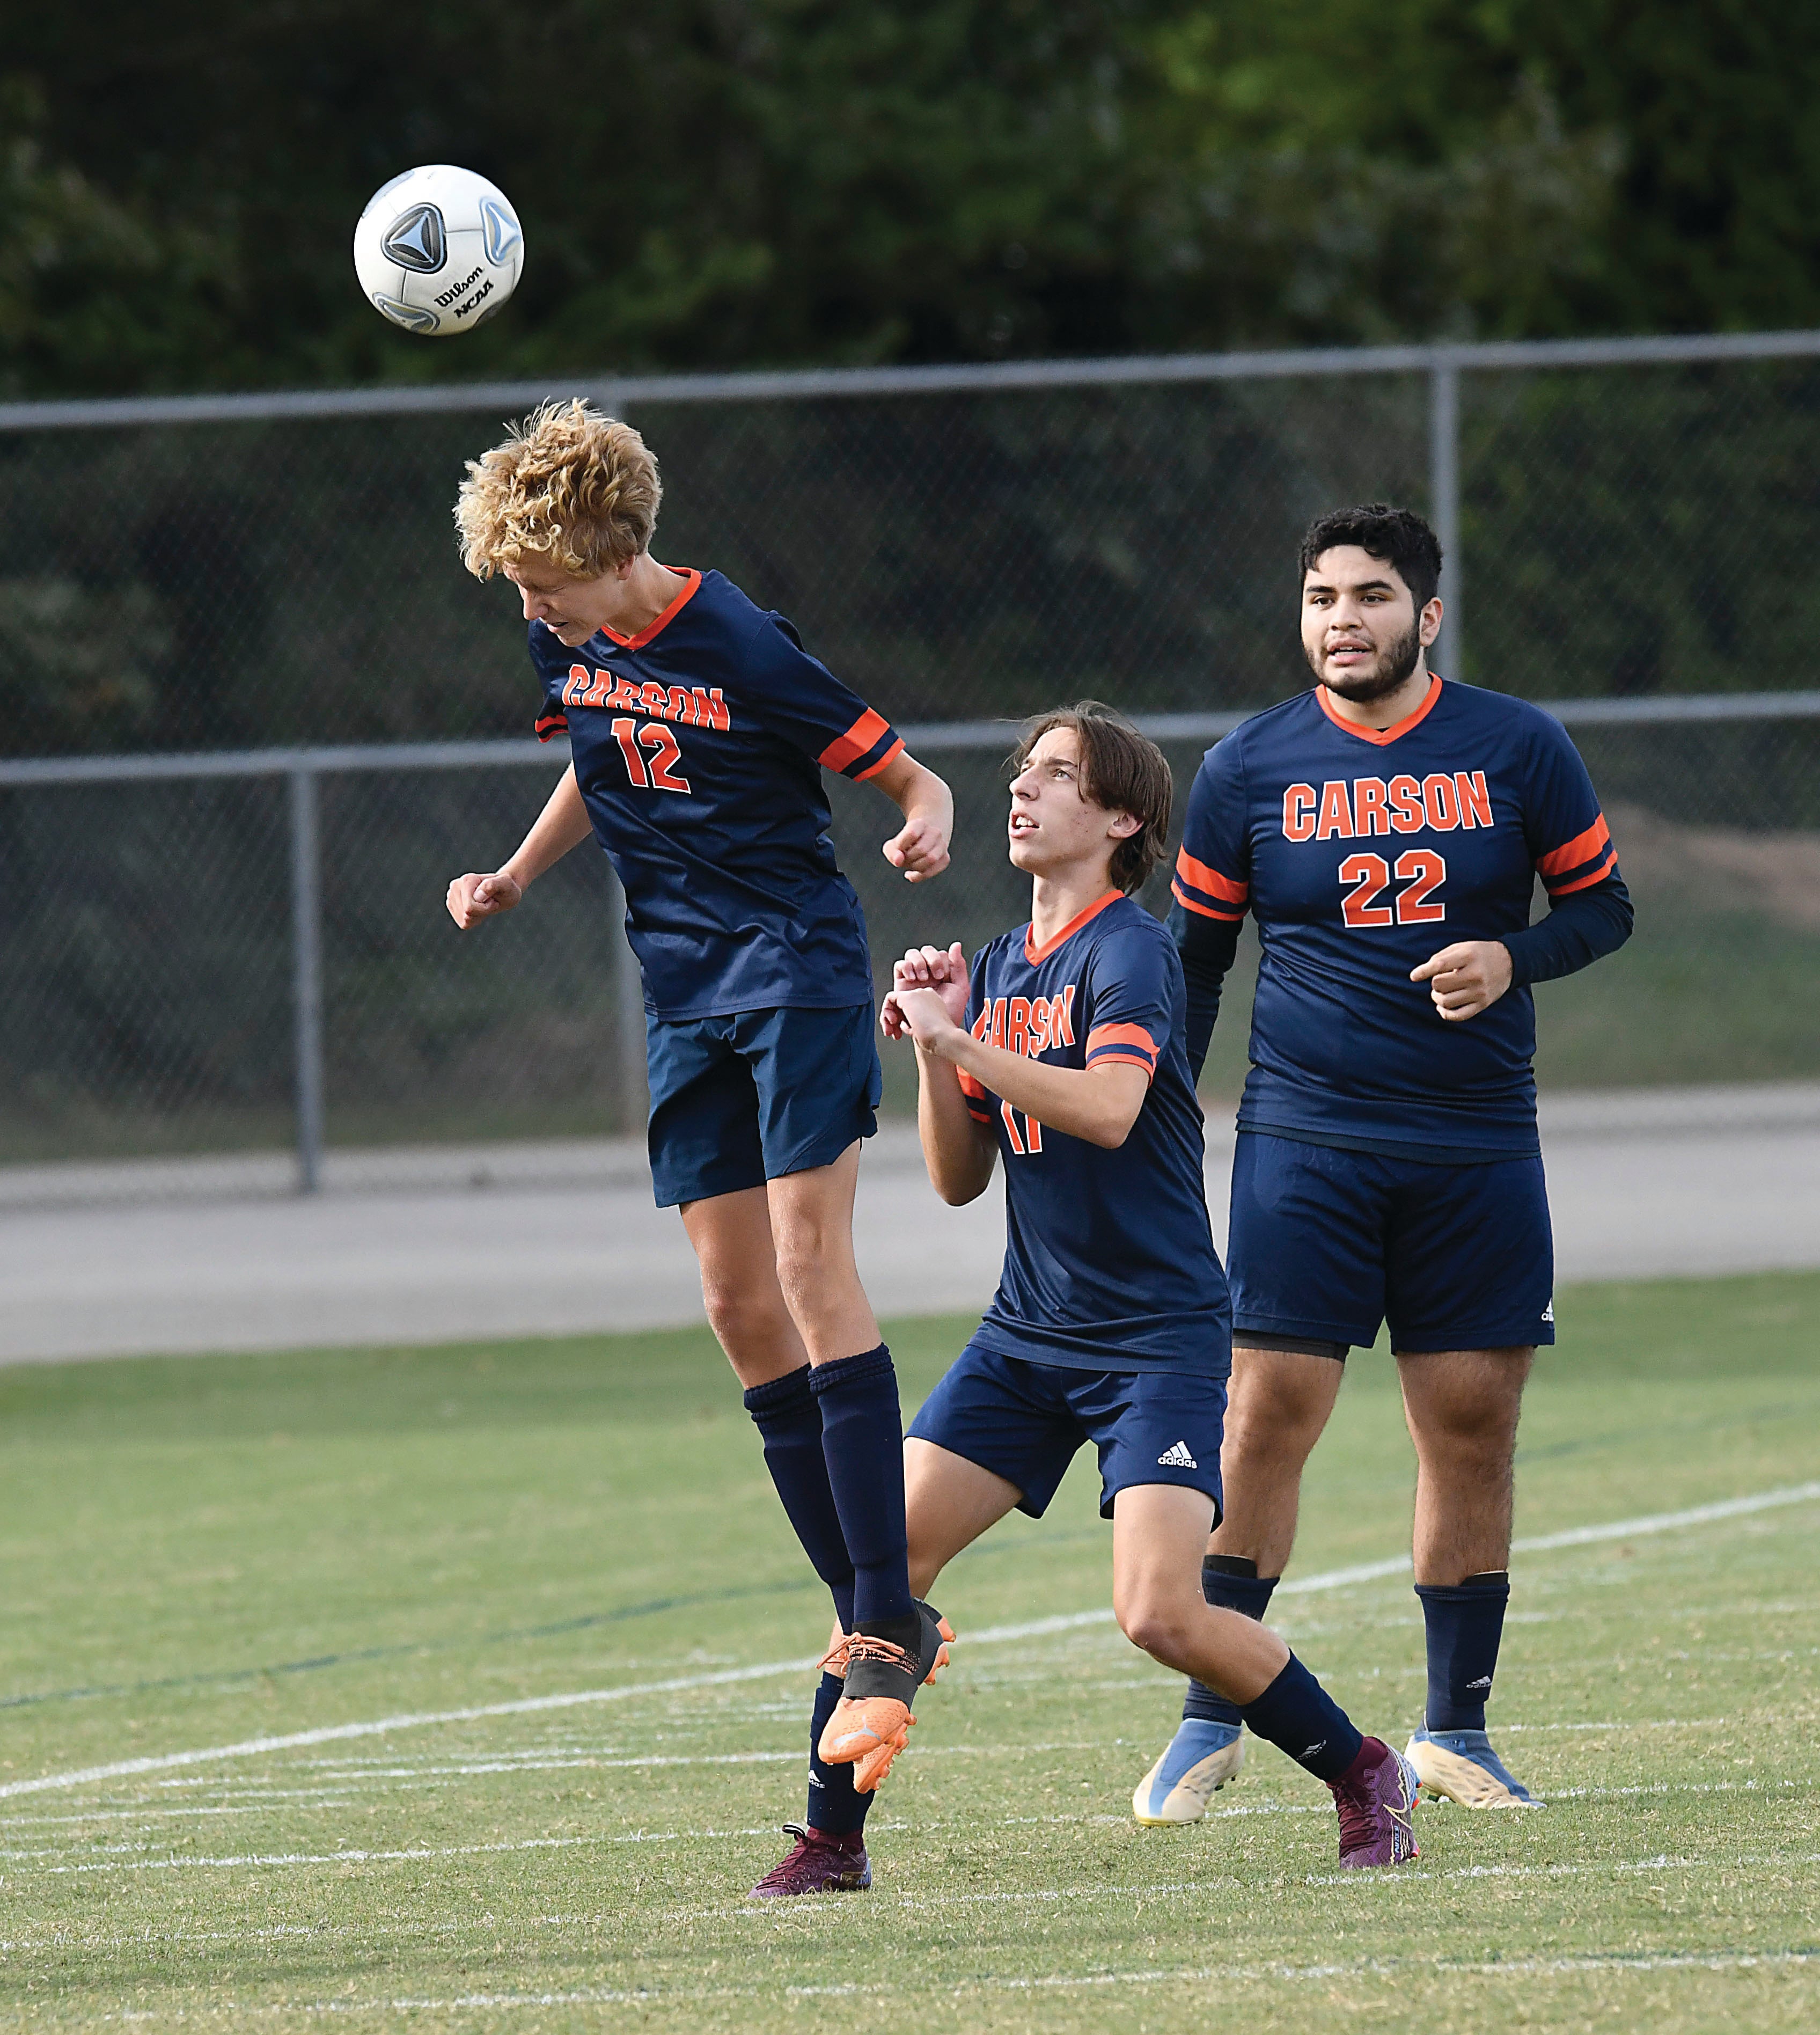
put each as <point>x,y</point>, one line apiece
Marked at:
<point>663,621</point>
<point>1034,954</point>
<point>1381,737</point>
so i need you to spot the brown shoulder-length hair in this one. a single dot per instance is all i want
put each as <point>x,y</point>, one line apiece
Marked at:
<point>1122,771</point>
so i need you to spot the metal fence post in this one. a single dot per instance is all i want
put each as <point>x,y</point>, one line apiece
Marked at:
<point>307,974</point>
<point>1444,500</point>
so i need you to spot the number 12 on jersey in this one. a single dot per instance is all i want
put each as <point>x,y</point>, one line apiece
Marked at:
<point>1419,868</point>
<point>664,751</point>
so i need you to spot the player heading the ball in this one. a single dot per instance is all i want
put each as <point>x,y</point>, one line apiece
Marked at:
<point>1063,1050</point>
<point>698,727</point>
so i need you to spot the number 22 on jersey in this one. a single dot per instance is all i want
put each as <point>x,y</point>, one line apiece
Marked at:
<point>1421,869</point>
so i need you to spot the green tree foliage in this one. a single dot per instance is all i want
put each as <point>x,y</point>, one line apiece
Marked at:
<point>745,181</point>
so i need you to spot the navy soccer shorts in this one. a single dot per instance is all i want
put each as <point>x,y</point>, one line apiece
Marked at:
<point>1024,1421</point>
<point>1326,1245</point>
<point>741,1099</point>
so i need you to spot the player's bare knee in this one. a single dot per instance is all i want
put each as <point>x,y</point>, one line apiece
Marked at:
<point>1269,1430</point>
<point>1157,1633</point>
<point>1483,1436</point>
<point>740,1319</point>
<point>812,1261</point>
<point>802,1262</point>
<point>1158,1621</point>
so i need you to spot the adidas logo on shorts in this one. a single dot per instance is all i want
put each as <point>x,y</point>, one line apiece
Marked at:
<point>1178,1457</point>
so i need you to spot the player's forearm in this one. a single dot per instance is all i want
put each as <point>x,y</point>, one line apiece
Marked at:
<point>958,1157</point>
<point>1208,948</point>
<point>1098,1104</point>
<point>917,792</point>
<point>563,824</point>
<point>1578,930</point>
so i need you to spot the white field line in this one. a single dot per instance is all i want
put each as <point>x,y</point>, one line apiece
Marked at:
<point>404,1855</point>
<point>1401,1877</point>
<point>1570,1966</point>
<point>1585,1964</point>
<point>402,1780</point>
<point>20,1864</point>
<point>741,1910</point>
<point>1621,1529</point>
<point>1663,1522</point>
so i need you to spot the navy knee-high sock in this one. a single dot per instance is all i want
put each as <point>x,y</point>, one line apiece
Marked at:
<point>835,1804</point>
<point>1465,1624</point>
<point>1233,1584</point>
<point>1299,1716</point>
<point>789,1418</point>
<point>863,1444</point>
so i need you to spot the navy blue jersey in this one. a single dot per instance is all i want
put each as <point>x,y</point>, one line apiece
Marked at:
<point>1109,1257</point>
<point>1362,853</point>
<point>699,745</point>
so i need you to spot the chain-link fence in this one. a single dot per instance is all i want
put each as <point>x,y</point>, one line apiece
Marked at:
<point>203,961</point>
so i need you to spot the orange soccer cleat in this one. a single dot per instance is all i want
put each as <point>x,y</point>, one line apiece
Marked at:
<point>872,1722</point>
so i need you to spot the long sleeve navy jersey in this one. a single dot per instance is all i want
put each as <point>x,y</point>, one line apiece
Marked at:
<point>1358,868</point>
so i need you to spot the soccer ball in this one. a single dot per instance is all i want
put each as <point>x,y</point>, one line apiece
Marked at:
<point>438,250</point>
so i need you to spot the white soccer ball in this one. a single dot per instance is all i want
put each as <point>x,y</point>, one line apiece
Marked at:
<point>438,250</point>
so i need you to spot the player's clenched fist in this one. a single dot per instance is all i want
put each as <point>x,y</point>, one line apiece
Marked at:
<point>472,898</point>
<point>926,968</point>
<point>920,850</point>
<point>919,847</point>
<point>1466,978</point>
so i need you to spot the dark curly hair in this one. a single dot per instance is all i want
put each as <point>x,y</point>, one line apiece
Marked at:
<point>1398,537</point>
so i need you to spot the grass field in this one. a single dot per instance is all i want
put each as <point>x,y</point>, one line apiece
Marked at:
<point>202,1552</point>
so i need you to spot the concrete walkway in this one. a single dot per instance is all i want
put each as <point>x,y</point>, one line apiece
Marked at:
<point>435,1245</point>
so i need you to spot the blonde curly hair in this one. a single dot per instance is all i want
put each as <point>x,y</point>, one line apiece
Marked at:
<point>569,485</point>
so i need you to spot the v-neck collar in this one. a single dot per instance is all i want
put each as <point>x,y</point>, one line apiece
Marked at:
<point>1034,954</point>
<point>692,582</point>
<point>1381,738</point>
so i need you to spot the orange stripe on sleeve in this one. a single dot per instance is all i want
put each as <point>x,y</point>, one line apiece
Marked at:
<point>1585,882</point>
<point>890,757</point>
<point>978,1107</point>
<point>864,734</point>
<point>1205,911</point>
<point>1205,877</point>
<point>1570,854</point>
<point>1122,1042</point>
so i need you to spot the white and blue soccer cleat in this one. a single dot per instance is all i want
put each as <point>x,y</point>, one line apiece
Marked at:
<point>1461,1767</point>
<point>1198,1762</point>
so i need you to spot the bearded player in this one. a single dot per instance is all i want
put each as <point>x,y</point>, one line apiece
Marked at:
<point>699,728</point>
<point>1062,1051</point>
<point>1386,829</point>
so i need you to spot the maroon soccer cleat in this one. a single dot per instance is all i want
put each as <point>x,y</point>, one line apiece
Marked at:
<point>818,1863</point>
<point>1376,1799</point>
